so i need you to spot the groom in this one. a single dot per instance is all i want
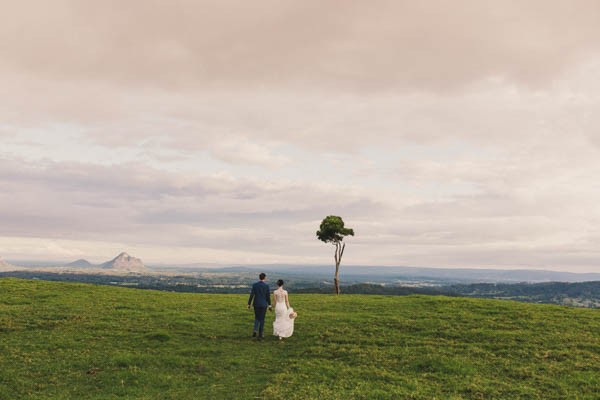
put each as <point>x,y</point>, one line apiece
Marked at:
<point>262,298</point>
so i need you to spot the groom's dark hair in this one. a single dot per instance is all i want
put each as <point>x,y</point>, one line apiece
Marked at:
<point>262,276</point>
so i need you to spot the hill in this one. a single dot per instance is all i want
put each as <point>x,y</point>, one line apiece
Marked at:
<point>5,266</point>
<point>124,263</point>
<point>81,263</point>
<point>64,341</point>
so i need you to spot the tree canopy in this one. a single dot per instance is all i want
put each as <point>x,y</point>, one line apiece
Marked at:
<point>332,230</point>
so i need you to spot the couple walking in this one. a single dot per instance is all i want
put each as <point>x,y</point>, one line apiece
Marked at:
<point>260,298</point>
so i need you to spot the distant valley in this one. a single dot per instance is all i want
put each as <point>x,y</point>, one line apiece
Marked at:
<point>127,264</point>
<point>581,290</point>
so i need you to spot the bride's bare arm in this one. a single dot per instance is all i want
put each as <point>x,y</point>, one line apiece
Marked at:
<point>287,301</point>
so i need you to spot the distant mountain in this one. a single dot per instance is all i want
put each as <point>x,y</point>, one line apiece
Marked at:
<point>5,265</point>
<point>350,274</point>
<point>124,263</point>
<point>81,263</point>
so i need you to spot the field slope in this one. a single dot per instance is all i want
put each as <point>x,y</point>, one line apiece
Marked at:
<point>76,341</point>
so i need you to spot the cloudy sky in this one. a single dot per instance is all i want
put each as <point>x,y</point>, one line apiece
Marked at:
<point>446,133</point>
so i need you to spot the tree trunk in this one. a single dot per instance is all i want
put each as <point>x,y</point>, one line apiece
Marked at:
<point>339,252</point>
<point>336,280</point>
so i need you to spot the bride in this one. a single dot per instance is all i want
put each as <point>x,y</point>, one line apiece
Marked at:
<point>283,326</point>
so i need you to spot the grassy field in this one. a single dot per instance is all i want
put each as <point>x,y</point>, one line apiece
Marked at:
<point>75,341</point>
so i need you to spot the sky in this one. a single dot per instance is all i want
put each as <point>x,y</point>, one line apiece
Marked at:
<point>445,133</point>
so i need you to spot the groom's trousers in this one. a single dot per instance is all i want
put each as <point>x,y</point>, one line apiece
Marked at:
<point>259,319</point>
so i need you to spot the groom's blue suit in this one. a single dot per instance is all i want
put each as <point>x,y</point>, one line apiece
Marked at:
<point>262,299</point>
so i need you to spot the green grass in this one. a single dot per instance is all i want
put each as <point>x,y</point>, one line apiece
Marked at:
<point>76,341</point>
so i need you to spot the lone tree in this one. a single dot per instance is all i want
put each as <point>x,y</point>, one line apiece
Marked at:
<point>332,231</point>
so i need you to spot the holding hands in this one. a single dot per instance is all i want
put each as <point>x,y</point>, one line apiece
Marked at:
<point>270,308</point>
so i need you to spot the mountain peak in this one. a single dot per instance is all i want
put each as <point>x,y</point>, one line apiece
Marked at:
<point>125,262</point>
<point>81,263</point>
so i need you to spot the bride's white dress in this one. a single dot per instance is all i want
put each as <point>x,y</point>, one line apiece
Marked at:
<point>283,326</point>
